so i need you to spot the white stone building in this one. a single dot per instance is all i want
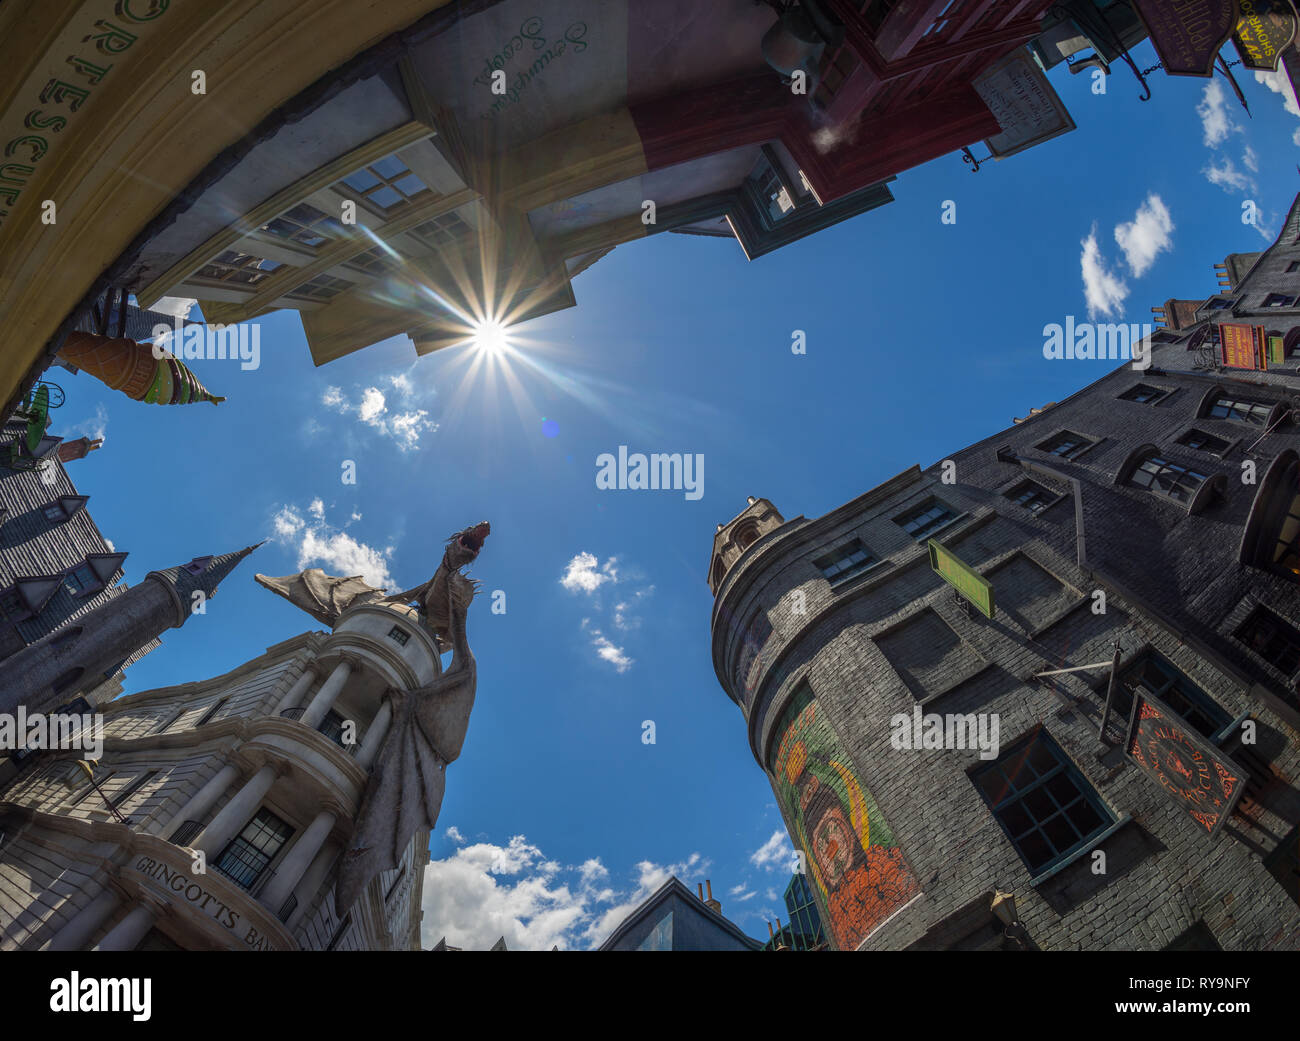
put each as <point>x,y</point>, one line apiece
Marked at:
<point>260,770</point>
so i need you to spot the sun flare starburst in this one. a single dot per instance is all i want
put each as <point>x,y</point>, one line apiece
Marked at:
<point>490,337</point>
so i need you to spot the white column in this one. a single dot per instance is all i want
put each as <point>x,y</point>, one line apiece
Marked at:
<point>127,934</point>
<point>296,862</point>
<point>329,691</point>
<point>311,882</point>
<point>236,813</point>
<point>375,734</point>
<point>297,692</point>
<point>200,802</point>
<point>77,932</point>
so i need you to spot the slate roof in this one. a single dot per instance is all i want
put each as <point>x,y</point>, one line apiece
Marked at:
<point>33,546</point>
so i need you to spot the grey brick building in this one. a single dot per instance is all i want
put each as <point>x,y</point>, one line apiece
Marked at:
<point>55,565</point>
<point>1151,519</point>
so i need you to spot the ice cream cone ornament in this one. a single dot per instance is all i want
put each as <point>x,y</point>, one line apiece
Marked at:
<point>136,369</point>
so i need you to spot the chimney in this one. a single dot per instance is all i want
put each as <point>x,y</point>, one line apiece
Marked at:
<point>70,450</point>
<point>710,903</point>
<point>700,889</point>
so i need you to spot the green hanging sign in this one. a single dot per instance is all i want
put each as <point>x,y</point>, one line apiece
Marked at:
<point>962,577</point>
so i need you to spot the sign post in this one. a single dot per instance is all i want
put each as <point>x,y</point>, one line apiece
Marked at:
<point>962,577</point>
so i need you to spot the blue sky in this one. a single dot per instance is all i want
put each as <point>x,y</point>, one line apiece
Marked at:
<point>921,338</point>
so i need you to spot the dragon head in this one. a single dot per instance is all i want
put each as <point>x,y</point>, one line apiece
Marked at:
<point>463,547</point>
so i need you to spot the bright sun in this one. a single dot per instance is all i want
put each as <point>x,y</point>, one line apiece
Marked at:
<point>490,337</point>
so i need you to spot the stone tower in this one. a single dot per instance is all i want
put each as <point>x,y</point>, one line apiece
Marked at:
<point>79,655</point>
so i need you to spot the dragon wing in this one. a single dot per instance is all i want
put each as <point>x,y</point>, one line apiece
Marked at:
<point>322,596</point>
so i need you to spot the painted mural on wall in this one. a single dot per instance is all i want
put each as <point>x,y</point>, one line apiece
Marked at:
<point>852,859</point>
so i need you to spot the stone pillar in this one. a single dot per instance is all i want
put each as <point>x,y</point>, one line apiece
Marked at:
<point>298,691</point>
<point>311,881</point>
<point>296,862</point>
<point>77,932</point>
<point>127,934</point>
<point>200,802</point>
<point>375,735</point>
<point>236,813</point>
<point>329,691</point>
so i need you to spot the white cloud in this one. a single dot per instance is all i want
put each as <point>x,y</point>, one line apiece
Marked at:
<point>404,428</point>
<point>584,575</point>
<point>174,305</point>
<point>625,617</point>
<point>1226,175</point>
<point>607,650</point>
<point>318,543</point>
<point>1278,83</point>
<point>341,554</point>
<point>1103,290</point>
<point>484,891</point>
<point>774,854</point>
<point>454,834</point>
<point>288,522</point>
<point>372,405</point>
<point>95,426</point>
<point>593,870</point>
<point>402,384</point>
<point>1216,122</point>
<point>1250,159</point>
<point>1143,238</point>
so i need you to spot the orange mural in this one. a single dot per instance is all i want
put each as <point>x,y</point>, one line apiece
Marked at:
<point>858,872</point>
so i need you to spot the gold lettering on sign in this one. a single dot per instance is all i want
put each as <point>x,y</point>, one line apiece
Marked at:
<point>104,36</point>
<point>180,882</point>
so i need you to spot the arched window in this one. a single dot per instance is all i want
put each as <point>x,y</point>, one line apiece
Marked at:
<point>1272,536</point>
<point>719,570</point>
<point>1172,480</point>
<point>1238,406</point>
<point>746,536</point>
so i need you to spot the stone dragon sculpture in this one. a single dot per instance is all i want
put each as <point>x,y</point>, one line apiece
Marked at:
<point>406,785</point>
<point>405,788</point>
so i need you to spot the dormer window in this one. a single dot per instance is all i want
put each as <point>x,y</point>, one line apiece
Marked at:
<point>65,507</point>
<point>81,580</point>
<point>1278,300</point>
<point>198,565</point>
<point>1159,475</point>
<point>1240,410</point>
